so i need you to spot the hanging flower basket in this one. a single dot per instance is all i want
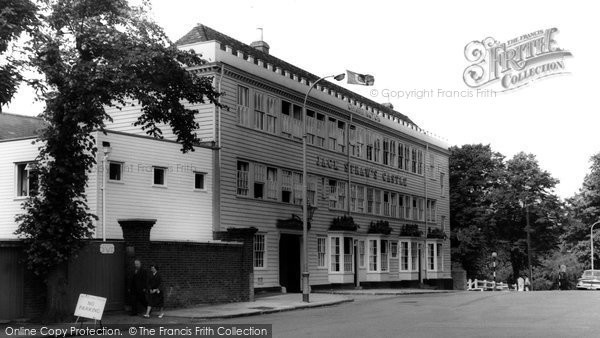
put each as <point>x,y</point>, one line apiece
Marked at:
<point>380,227</point>
<point>343,223</point>
<point>410,230</point>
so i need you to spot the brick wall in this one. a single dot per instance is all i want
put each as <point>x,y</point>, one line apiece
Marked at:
<point>193,273</point>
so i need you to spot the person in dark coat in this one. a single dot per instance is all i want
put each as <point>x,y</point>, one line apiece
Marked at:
<point>563,282</point>
<point>137,287</point>
<point>156,298</point>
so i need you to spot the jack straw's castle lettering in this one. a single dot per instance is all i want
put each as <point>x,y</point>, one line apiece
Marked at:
<point>516,63</point>
<point>361,171</point>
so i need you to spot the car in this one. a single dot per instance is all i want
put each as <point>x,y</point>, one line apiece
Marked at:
<point>590,280</point>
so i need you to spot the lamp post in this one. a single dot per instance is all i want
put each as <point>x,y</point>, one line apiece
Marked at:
<point>106,151</point>
<point>305,273</point>
<point>528,231</point>
<point>494,256</point>
<point>592,243</point>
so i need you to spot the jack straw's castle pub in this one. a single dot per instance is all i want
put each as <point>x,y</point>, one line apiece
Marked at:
<point>377,184</point>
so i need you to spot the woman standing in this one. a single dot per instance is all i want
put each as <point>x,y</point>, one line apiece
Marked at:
<point>156,297</point>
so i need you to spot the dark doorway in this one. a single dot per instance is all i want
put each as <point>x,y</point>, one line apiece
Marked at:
<point>289,262</point>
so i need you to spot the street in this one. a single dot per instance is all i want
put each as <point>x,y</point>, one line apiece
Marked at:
<point>462,314</point>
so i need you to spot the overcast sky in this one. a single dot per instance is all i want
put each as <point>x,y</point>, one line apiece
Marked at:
<point>419,45</point>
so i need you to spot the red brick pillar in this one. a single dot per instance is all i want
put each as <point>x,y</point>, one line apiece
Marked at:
<point>245,236</point>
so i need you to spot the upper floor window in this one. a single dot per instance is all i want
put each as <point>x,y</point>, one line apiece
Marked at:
<point>243,101</point>
<point>199,181</point>
<point>26,179</point>
<point>242,178</point>
<point>160,176</point>
<point>115,171</point>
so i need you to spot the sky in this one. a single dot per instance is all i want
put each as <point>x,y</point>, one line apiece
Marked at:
<point>418,47</point>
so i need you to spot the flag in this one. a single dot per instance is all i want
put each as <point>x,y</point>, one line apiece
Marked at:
<point>360,79</point>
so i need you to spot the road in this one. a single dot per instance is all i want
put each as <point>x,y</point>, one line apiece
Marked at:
<point>464,314</point>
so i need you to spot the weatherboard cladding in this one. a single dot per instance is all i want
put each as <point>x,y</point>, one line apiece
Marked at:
<point>202,33</point>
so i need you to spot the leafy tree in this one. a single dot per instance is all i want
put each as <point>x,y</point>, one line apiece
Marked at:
<point>527,191</point>
<point>95,54</point>
<point>474,174</point>
<point>16,17</point>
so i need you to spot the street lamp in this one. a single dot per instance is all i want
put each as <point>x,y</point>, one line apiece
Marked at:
<point>528,230</point>
<point>305,273</point>
<point>592,242</point>
<point>494,256</point>
<point>106,150</point>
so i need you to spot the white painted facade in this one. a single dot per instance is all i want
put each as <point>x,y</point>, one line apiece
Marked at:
<point>182,212</point>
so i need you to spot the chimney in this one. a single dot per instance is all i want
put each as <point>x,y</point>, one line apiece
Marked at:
<point>260,44</point>
<point>388,105</point>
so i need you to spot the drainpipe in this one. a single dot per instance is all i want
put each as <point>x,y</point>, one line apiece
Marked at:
<point>217,174</point>
<point>425,202</point>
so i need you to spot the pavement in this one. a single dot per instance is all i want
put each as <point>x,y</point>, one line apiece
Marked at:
<point>383,292</point>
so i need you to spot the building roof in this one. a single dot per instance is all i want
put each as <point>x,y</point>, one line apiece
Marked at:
<point>202,33</point>
<point>13,126</point>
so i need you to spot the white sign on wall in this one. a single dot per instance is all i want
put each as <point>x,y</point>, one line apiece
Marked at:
<point>91,307</point>
<point>107,248</point>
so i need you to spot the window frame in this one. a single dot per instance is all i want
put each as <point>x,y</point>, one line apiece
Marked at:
<point>121,171</point>
<point>264,252</point>
<point>203,174</point>
<point>322,239</point>
<point>164,170</point>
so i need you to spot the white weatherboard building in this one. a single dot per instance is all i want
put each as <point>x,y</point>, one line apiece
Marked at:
<point>365,161</point>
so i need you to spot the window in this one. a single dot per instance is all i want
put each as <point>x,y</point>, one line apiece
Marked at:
<point>243,101</point>
<point>260,107</point>
<point>431,166</point>
<point>341,189</point>
<point>271,115</point>
<point>321,252</point>
<point>415,209</point>
<point>420,162</point>
<point>392,153</point>
<point>286,121</point>
<point>360,199</point>
<point>401,206</point>
<point>443,221</point>
<point>286,186</point>
<point>404,256</point>
<point>298,195</point>
<point>361,253</point>
<point>160,176</point>
<point>260,177</point>
<point>386,152</point>
<point>377,208</point>
<point>353,197</point>
<point>259,251</point>
<point>439,257</point>
<point>431,256</point>
<point>414,256</point>
<point>394,205</point>
<point>348,254</point>
<point>431,211</point>
<point>386,203</point>
<point>370,200</point>
<point>401,156</point>
<point>115,171</point>
<point>242,178</point>
<point>414,160</point>
<point>406,157</point>
<point>199,181</point>
<point>370,152</point>
<point>333,194</point>
<point>394,249</point>
<point>272,183</point>
<point>407,207</point>
<point>421,205</point>
<point>26,179</point>
<point>377,157</point>
<point>335,254</point>
<point>311,190</point>
<point>373,255</point>
<point>442,184</point>
<point>384,255</point>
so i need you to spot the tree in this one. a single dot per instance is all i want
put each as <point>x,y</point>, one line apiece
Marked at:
<point>95,54</point>
<point>527,191</point>
<point>16,17</point>
<point>474,174</point>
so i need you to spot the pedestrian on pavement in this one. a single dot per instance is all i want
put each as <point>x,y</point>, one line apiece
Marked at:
<point>527,284</point>
<point>155,293</point>
<point>520,284</point>
<point>563,283</point>
<point>137,287</point>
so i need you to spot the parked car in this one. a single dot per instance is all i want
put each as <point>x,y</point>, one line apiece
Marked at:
<point>590,280</point>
